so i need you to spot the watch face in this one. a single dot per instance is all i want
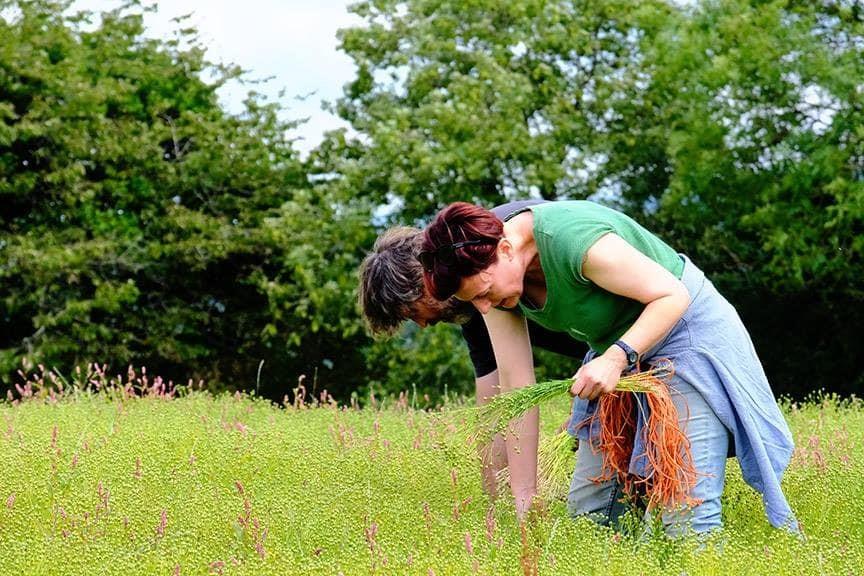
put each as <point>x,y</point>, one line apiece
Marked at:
<point>632,357</point>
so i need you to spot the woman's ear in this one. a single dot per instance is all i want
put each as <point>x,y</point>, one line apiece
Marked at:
<point>505,249</point>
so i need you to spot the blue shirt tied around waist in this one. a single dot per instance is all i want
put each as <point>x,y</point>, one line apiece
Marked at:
<point>712,352</point>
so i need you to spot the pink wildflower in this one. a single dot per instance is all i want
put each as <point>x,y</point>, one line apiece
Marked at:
<point>469,546</point>
<point>163,523</point>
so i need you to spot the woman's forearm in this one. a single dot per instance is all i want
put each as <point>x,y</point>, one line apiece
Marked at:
<point>521,438</point>
<point>493,456</point>
<point>614,265</point>
<point>512,346</point>
<point>655,321</point>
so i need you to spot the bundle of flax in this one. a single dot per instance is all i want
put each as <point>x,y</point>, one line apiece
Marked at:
<point>672,475</point>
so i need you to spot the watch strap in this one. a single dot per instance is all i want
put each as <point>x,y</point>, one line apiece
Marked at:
<point>632,355</point>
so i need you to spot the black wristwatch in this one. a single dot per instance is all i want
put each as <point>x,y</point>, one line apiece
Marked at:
<point>632,355</point>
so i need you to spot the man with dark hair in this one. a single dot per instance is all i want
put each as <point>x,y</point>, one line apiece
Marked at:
<point>392,291</point>
<point>391,286</point>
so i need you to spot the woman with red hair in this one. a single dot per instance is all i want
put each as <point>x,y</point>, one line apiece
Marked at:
<point>593,272</point>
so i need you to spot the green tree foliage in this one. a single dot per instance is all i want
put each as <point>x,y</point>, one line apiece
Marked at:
<point>426,364</point>
<point>487,100</point>
<point>731,127</point>
<point>760,105</point>
<point>140,222</point>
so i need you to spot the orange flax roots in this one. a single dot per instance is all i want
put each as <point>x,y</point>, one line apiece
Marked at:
<point>673,475</point>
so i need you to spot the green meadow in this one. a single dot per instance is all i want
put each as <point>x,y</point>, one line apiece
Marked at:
<point>111,483</point>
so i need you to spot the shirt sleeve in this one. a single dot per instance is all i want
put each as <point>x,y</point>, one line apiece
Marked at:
<point>479,345</point>
<point>557,342</point>
<point>573,234</point>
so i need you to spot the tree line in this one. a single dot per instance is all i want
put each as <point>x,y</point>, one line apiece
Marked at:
<point>140,222</point>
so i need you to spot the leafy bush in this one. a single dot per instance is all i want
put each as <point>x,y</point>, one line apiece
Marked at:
<point>731,128</point>
<point>141,223</point>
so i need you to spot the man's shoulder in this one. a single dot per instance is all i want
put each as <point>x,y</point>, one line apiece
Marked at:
<point>509,208</point>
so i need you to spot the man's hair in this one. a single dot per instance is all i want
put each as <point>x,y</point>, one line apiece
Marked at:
<point>391,279</point>
<point>460,222</point>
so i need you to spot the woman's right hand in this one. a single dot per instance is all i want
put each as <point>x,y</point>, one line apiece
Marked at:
<point>600,376</point>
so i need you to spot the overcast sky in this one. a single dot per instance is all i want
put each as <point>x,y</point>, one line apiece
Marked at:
<point>292,40</point>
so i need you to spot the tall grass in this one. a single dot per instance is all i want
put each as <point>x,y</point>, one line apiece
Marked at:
<point>108,483</point>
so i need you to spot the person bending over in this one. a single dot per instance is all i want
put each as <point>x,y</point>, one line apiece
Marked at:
<point>392,291</point>
<point>597,274</point>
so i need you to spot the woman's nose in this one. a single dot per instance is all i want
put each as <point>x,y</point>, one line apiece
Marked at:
<point>483,306</point>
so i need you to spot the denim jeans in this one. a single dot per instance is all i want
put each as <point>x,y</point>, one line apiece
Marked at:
<point>709,443</point>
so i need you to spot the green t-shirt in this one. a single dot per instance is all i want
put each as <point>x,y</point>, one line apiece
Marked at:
<point>563,232</point>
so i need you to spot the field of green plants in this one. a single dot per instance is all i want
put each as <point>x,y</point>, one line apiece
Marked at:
<point>110,482</point>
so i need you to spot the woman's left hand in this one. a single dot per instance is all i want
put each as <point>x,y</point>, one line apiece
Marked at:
<point>600,376</point>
